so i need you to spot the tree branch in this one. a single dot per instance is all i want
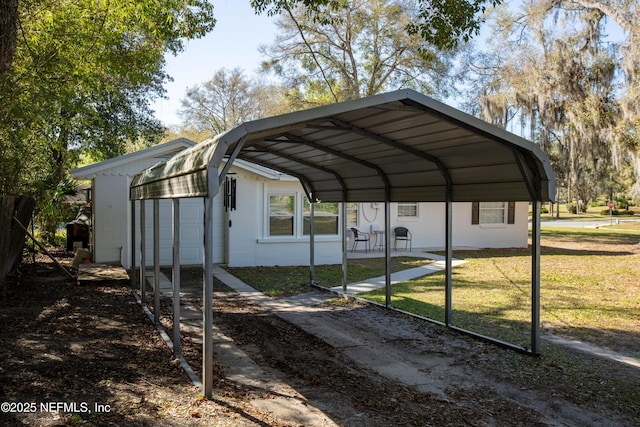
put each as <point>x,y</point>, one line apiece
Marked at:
<point>625,23</point>
<point>313,53</point>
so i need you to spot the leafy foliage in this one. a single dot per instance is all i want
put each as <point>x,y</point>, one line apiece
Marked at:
<point>550,68</point>
<point>446,24</point>
<point>81,82</point>
<point>331,54</point>
<point>441,23</point>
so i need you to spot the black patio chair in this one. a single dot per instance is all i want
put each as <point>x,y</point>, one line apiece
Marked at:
<point>402,234</point>
<point>359,236</point>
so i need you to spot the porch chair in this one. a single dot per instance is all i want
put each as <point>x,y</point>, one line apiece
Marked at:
<point>402,234</point>
<point>359,236</point>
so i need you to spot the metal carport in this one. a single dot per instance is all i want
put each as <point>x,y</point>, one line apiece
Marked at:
<point>400,146</point>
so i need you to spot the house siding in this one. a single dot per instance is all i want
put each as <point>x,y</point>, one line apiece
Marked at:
<point>428,228</point>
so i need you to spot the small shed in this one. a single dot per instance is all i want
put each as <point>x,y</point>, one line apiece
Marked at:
<point>400,146</point>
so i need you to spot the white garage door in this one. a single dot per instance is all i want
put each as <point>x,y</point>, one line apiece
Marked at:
<point>191,231</point>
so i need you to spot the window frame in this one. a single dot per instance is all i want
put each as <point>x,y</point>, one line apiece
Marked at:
<point>414,205</point>
<point>293,215</point>
<point>354,208</point>
<point>306,213</point>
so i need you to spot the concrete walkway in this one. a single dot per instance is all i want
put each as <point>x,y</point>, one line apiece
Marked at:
<point>358,340</point>
<point>309,300</point>
<point>596,223</point>
<point>400,276</point>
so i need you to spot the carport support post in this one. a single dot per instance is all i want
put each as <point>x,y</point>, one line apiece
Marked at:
<point>143,249</point>
<point>387,252</point>
<point>156,261</point>
<point>344,246</point>
<point>133,245</point>
<point>175,277</point>
<point>535,277</point>
<point>312,231</point>
<point>448,248</point>
<point>207,291</point>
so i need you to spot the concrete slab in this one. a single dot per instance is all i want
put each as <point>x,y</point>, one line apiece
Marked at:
<point>238,367</point>
<point>284,402</point>
<point>369,344</point>
<point>309,299</point>
<point>190,313</point>
<point>90,273</point>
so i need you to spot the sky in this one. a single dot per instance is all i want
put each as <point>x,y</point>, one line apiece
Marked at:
<point>234,42</point>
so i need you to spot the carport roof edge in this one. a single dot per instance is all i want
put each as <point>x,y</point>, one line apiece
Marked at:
<point>398,146</point>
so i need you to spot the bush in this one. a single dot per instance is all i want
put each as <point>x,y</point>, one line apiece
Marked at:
<point>616,212</point>
<point>606,212</point>
<point>573,208</point>
<point>622,201</point>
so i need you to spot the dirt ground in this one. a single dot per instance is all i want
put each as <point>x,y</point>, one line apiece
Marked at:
<point>87,355</point>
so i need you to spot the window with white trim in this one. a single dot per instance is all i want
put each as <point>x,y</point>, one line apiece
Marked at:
<point>408,210</point>
<point>352,214</point>
<point>282,211</point>
<point>325,218</point>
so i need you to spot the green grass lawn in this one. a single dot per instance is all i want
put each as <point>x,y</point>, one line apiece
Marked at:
<point>624,225</point>
<point>592,213</point>
<point>286,281</point>
<point>590,289</point>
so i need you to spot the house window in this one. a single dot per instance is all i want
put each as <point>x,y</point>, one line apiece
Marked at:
<point>281,215</point>
<point>325,218</point>
<point>408,210</point>
<point>352,214</point>
<point>493,213</point>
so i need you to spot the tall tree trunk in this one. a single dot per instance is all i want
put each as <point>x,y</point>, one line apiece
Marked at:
<point>8,19</point>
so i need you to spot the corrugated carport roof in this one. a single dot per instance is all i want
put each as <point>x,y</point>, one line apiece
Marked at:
<point>398,146</point>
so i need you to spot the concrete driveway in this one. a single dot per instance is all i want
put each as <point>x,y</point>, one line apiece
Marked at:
<point>585,224</point>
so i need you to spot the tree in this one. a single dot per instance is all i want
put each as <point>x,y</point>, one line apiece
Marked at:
<point>227,100</point>
<point>8,18</point>
<point>359,49</point>
<point>81,81</point>
<point>441,23</point>
<point>551,69</point>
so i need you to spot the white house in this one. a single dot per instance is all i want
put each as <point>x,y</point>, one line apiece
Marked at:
<point>475,225</point>
<point>269,224</point>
